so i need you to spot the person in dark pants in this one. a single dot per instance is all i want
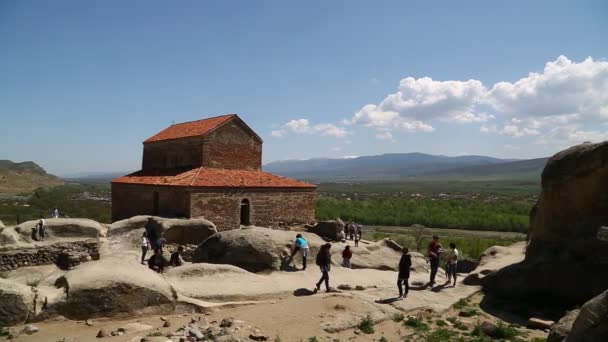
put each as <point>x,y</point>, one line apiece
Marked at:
<point>434,252</point>
<point>157,261</point>
<point>404,273</point>
<point>324,263</point>
<point>176,257</point>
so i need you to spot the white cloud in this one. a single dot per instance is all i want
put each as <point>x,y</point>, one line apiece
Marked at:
<point>418,101</point>
<point>563,95</point>
<point>574,134</point>
<point>488,129</point>
<point>563,88</point>
<point>385,136</point>
<point>516,131</point>
<point>302,126</point>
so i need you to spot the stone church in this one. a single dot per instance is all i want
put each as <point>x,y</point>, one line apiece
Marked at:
<point>211,168</point>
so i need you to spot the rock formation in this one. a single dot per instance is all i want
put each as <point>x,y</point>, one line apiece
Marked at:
<point>112,286</point>
<point>254,248</point>
<point>16,303</point>
<point>328,229</point>
<point>567,256</point>
<point>180,231</point>
<point>590,323</point>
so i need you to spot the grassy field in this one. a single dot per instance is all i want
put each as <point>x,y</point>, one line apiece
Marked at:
<point>468,213</point>
<point>511,188</point>
<point>470,243</point>
<point>73,200</point>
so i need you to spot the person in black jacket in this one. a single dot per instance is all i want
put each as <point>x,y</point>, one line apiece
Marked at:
<point>404,273</point>
<point>324,262</point>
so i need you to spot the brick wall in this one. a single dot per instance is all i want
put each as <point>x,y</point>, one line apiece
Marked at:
<point>169,154</point>
<point>267,207</point>
<point>232,146</point>
<point>129,200</point>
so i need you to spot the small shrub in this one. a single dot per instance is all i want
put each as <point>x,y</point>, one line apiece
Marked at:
<point>477,329</point>
<point>339,307</point>
<point>367,325</point>
<point>313,339</point>
<point>398,317</point>
<point>504,331</point>
<point>416,323</point>
<point>451,319</point>
<point>277,339</point>
<point>441,335</point>
<point>383,339</point>
<point>468,312</point>
<point>155,334</point>
<point>460,304</point>
<point>441,323</point>
<point>460,326</point>
<point>359,288</point>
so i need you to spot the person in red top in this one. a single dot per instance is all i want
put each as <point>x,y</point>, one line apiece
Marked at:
<point>434,252</point>
<point>346,255</point>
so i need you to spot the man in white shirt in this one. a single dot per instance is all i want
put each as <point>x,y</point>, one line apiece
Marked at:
<point>452,263</point>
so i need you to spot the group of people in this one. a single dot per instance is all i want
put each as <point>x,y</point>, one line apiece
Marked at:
<point>435,253</point>
<point>157,261</point>
<point>353,231</point>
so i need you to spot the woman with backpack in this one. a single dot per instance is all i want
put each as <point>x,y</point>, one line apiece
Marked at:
<point>324,263</point>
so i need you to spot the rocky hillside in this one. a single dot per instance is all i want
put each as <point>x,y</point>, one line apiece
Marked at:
<point>24,177</point>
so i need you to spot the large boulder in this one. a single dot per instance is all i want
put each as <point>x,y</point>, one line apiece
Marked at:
<point>192,231</point>
<point>566,255</point>
<point>330,230</point>
<point>253,248</point>
<point>589,324</point>
<point>494,259</point>
<point>180,231</point>
<point>115,285</point>
<point>16,303</point>
<point>560,330</point>
<point>58,228</point>
<point>381,255</point>
<point>2,225</point>
<point>132,223</point>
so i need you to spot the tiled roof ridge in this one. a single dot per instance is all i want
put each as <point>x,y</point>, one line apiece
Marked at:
<point>209,118</point>
<point>209,177</point>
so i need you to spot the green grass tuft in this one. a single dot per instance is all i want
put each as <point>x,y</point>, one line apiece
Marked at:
<point>367,325</point>
<point>416,323</point>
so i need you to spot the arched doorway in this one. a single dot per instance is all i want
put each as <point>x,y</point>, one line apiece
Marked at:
<point>245,213</point>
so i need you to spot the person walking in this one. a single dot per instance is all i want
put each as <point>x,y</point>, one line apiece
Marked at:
<point>346,256</point>
<point>452,263</point>
<point>434,253</point>
<point>55,213</point>
<point>41,229</point>
<point>324,263</point>
<point>145,245</point>
<point>357,239</point>
<point>301,245</point>
<point>404,273</point>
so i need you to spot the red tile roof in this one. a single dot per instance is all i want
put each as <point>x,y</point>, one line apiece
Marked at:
<point>191,128</point>
<point>212,178</point>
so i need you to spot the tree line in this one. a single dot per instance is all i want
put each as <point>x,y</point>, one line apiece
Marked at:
<point>506,215</point>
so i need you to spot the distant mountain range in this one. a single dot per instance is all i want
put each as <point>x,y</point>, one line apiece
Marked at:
<point>408,166</point>
<point>24,177</point>
<point>385,167</point>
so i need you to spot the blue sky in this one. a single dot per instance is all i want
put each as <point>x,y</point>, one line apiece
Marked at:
<point>82,84</point>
